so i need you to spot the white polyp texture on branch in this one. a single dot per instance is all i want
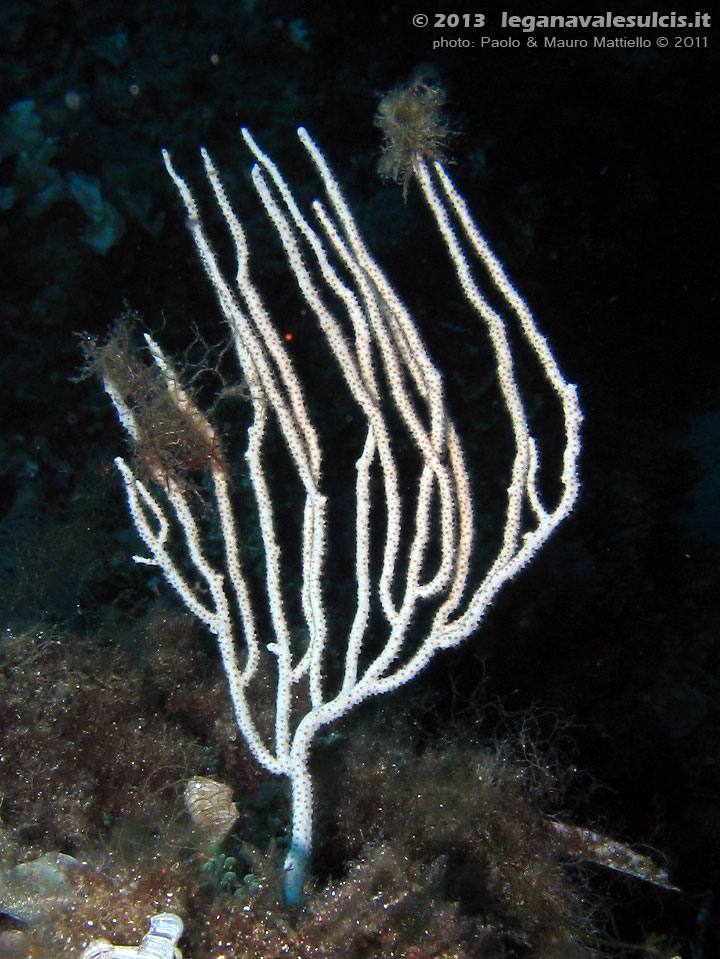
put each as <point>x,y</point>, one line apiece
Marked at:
<point>409,553</point>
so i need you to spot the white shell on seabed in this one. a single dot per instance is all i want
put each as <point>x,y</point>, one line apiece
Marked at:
<point>160,943</point>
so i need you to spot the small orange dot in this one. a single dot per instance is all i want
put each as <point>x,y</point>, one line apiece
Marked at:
<point>288,337</point>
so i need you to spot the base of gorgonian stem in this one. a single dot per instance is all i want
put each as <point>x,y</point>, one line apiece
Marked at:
<point>296,863</point>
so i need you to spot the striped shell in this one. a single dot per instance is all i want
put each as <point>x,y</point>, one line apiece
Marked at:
<point>211,809</point>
